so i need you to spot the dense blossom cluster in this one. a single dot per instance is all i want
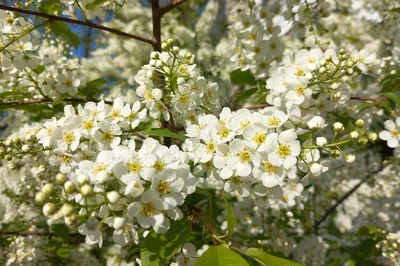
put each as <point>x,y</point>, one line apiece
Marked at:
<point>300,143</point>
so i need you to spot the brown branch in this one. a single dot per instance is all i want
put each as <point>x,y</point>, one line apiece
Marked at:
<point>345,196</point>
<point>256,106</point>
<point>156,19</point>
<point>77,22</point>
<point>43,101</point>
<point>174,3</point>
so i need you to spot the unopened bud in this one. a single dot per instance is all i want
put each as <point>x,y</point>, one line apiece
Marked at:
<point>69,187</point>
<point>372,136</point>
<point>359,123</point>
<point>335,154</point>
<point>350,158</point>
<point>113,197</point>
<point>86,190</point>
<point>338,127</point>
<point>83,179</point>
<point>48,189</point>
<point>321,141</point>
<point>49,209</point>
<point>66,209</point>
<point>41,198</point>
<point>71,220</point>
<point>363,140</point>
<point>354,135</point>
<point>61,179</point>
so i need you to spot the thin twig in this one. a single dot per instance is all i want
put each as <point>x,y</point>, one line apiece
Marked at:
<point>345,196</point>
<point>77,22</point>
<point>170,6</point>
<point>43,101</point>
<point>26,233</point>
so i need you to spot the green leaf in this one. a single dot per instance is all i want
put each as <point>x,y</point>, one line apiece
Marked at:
<point>60,230</point>
<point>39,69</point>
<point>366,105</point>
<point>391,83</point>
<point>50,6</point>
<point>93,88</point>
<point>220,256</point>
<point>240,77</point>
<point>230,218</point>
<point>244,95</point>
<point>163,132</point>
<point>394,97</point>
<point>95,3</point>
<point>269,260</point>
<point>64,251</point>
<point>157,249</point>
<point>203,192</point>
<point>62,30</point>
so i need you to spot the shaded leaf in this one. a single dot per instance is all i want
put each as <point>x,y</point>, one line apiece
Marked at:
<point>60,230</point>
<point>203,192</point>
<point>240,77</point>
<point>157,249</point>
<point>62,30</point>
<point>244,95</point>
<point>269,260</point>
<point>220,256</point>
<point>230,218</point>
<point>163,132</point>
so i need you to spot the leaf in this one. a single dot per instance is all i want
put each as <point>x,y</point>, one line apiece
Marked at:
<point>156,249</point>
<point>50,7</point>
<point>366,105</point>
<point>240,77</point>
<point>64,251</point>
<point>93,88</point>
<point>164,132</point>
<point>203,192</point>
<point>269,260</point>
<point>39,69</point>
<point>60,230</point>
<point>391,83</point>
<point>95,3</point>
<point>62,30</point>
<point>244,95</point>
<point>394,97</point>
<point>220,256</point>
<point>230,218</point>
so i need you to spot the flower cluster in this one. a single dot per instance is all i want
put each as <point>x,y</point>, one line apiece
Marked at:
<point>186,93</point>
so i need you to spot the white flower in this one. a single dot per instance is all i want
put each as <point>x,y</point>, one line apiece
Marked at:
<point>392,133</point>
<point>92,231</point>
<point>286,149</point>
<point>316,122</point>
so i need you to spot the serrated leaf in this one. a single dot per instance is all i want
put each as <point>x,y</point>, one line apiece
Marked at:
<point>203,192</point>
<point>391,83</point>
<point>62,30</point>
<point>240,77</point>
<point>394,97</point>
<point>230,218</point>
<point>157,249</point>
<point>220,256</point>
<point>93,88</point>
<point>269,260</point>
<point>60,230</point>
<point>244,95</point>
<point>163,132</point>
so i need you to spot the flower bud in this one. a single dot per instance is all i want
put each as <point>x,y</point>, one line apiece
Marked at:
<point>350,71</point>
<point>42,167</point>
<point>25,148</point>
<point>322,70</point>
<point>350,158</point>
<point>8,142</point>
<point>86,190</point>
<point>71,220</point>
<point>322,62</point>
<point>354,135</point>
<point>341,51</point>
<point>69,187</point>
<point>159,64</point>
<point>16,140</point>
<point>175,50</point>
<point>61,179</point>
<point>359,123</point>
<point>154,55</point>
<point>8,157</point>
<point>328,58</point>
<point>41,198</point>
<point>113,197</point>
<point>316,122</point>
<point>335,154</point>
<point>48,189</point>
<point>316,169</point>
<point>102,177</point>
<point>321,141</point>
<point>334,86</point>
<point>164,46</point>
<point>363,140</point>
<point>372,136</point>
<point>118,223</point>
<point>12,166</point>
<point>338,127</point>
<point>83,179</point>
<point>66,209</point>
<point>49,209</point>
<point>170,42</point>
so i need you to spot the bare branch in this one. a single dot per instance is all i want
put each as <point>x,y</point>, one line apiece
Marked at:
<point>42,101</point>
<point>77,22</point>
<point>170,6</point>
<point>345,196</point>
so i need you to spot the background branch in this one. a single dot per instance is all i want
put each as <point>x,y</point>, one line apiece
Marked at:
<point>77,22</point>
<point>43,101</point>
<point>172,5</point>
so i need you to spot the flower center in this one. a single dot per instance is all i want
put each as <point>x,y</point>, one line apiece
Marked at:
<point>244,124</point>
<point>163,187</point>
<point>159,166</point>
<point>108,136</point>
<point>115,113</point>
<point>148,209</point>
<point>395,133</point>
<point>100,167</point>
<point>184,98</point>
<point>273,121</point>
<point>245,156</point>
<point>135,166</point>
<point>88,125</point>
<point>269,168</point>
<point>69,138</point>
<point>299,72</point>
<point>259,138</point>
<point>223,132</point>
<point>300,90</point>
<point>284,151</point>
<point>210,147</point>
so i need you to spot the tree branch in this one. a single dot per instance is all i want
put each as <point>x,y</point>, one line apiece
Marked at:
<point>170,6</point>
<point>26,233</point>
<point>345,196</point>
<point>77,22</point>
<point>156,19</point>
<point>42,101</point>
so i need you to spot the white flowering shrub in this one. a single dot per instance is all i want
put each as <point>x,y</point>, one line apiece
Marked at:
<point>185,132</point>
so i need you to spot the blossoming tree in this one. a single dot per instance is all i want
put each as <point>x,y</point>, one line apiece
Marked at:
<point>189,132</point>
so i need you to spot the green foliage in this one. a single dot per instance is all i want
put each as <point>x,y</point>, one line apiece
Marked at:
<point>94,88</point>
<point>220,256</point>
<point>163,132</point>
<point>157,249</point>
<point>391,83</point>
<point>269,260</point>
<point>39,69</point>
<point>203,192</point>
<point>63,31</point>
<point>60,230</point>
<point>50,6</point>
<point>95,3</point>
<point>244,95</point>
<point>240,77</point>
<point>230,218</point>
